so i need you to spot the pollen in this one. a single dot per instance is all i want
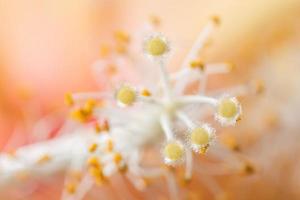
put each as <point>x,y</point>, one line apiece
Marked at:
<point>122,36</point>
<point>155,20</point>
<point>259,86</point>
<point>89,106</point>
<point>97,174</point>
<point>145,93</point>
<point>94,162</point>
<point>156,46</point>
<point>204,149</point>
<point>44,159</point>
<point>69,101</point>
<point>104,50</point>
<point>79,115</point>
<point>216,19</point>
<point>71,188</point>
<point>173,151</point>
<point>230,66</point>
<point>228,108</point>
<point>117,158</point>
<point>93,147</point>
<point>200,136</point>
<point>197,64</point>
<point>126,95</point>
<point>110,145</point>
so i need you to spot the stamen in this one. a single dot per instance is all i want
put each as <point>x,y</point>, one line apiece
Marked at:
<point>173,152</point>
<point>200,42</point>
<point>44,159</point>
<point>126,96</point>
<point>228,111</point>
<point>166,126</point>
<point>93,147</point>
<point>197,99</point>
<point>71,188</point>
<point>69,101</point>
<point>218,68</point>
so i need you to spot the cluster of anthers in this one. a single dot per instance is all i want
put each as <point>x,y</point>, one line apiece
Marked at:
<point>141,117</point>
<point>133,118</point>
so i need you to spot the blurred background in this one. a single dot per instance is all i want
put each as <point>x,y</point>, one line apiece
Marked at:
<point>47,49</point>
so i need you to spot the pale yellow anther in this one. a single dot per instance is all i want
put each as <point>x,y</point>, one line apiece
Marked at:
<point>173,151</point>
<point>197,64</point>
<point>93,147</point>
<point>69,101</point>
<point>126,95</point>
<point>71,188</point>
<point>228,108</point>
<point>156,46</point>
<point>200,136</point>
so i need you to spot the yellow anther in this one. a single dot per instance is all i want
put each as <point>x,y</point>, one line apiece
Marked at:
<point>122,37</point>
<point>105,126</point>
<point>71,188</point>
<point>216,20</point>
<point>228,108</point>
<point>231,143</point>
<point>204,149</point>
<point>94,162</point>
<point>76,175</point>
<point>117,158</point>
<point>98,175</point>
<point>89,106</point>
<point>104,50</point>
<point>121,48</point>
<point>155,20</point>
<point>110,145</point>
<point>80,115</point>
<point>230,66</point>
<point>197,64</point>
<point>259,86</point>
<point>69,101</point>
<point>44,159</point>
<point>156,46</point>
<point>200,136</point>
<point>22,175</point>
<point>248,168</point>
<point>126,95</point>
<point>93,147</point>
<point>173,151</point>
<point>112,69</point>
<point>123,168</point>
<point>145,93</point>
<point>97,128</point>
